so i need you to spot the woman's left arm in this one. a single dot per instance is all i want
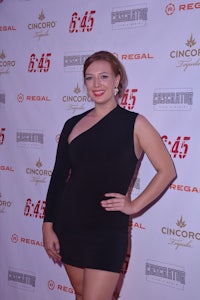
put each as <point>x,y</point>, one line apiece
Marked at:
<point>149,141</point>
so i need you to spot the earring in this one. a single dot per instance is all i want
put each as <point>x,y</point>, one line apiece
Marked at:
<point>116,90</point>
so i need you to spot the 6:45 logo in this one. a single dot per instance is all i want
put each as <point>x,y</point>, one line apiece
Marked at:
<point>39,64</point>
<point>83,23</point>
<point>129,99</point>
<point>179,148</point>
<point>2,136</point>
<point>35,210</point>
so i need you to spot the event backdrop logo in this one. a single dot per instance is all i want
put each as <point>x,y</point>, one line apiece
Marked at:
<point>7,28</point>
<point>59,287</point>
<point>39,63</point>
<point>166,274</point>
<point>5,64</point>
<point>34,209</point>
<point>2,99</point>
<point>6,168</point>
<point>73,61</point>
<point>41,27</point>
<point>188,57</point>
<point>15,238</point>
<point>37,173</point>
<point>82,23</point>
<point>21,279</point>
<point>178,148</point>
<point>2,135</point>
<point>180,99</point>
<point>4,204</point>
<point>77,100</point>
<point>170,8</point>
<point>185,188</point>
<point>30,139</point>
<point>179,236</point>
<point>33,98</point>
<point>134,56</point>
<point>129,99</point>
<point>127,17</point>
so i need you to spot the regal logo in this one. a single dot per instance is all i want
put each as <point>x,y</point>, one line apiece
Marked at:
<point>32,98</point>
<point>6,168</point>
<point>7,28</point>
<point>180,237</point>
<point>42,27</point>
<point>62,288</point>
<point>189,57</point>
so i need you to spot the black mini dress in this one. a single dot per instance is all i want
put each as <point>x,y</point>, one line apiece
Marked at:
<point>98,161</point>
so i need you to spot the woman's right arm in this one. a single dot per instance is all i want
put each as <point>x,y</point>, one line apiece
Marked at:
<point>56,185</point>
<point>51,242</point>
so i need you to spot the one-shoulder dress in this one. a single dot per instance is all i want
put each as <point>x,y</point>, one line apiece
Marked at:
<point>98,161</point>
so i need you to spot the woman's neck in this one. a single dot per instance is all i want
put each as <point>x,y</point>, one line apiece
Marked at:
<point>101,110</point>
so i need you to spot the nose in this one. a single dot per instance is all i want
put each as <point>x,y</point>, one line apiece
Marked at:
<point>96,81</point>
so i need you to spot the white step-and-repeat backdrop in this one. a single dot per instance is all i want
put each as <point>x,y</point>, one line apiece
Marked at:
<point>43,45</point>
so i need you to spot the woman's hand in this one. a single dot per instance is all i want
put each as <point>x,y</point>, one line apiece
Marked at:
<point>117,202</point>
<point>51,242</point>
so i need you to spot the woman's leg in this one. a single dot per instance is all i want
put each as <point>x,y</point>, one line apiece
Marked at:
<point>76,278</point>
<point>99,284</point>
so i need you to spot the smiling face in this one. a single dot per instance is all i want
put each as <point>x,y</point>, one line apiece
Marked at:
<point>100,81</point>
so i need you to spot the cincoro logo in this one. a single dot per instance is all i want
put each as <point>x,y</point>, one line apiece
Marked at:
<point>180,237</point>
<point>38,175</point>
<point>43,26</point>
<point>4,203</point>
<point>5,64</point>
<point>187,56</point>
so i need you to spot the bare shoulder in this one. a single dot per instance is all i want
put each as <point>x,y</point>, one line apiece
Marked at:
<point>143,126</point>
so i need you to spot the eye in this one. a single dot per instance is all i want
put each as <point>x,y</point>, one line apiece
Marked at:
<point>88,77</point>
<point>104,76</point>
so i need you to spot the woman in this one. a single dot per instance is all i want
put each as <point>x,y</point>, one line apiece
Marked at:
<point>88,204</point>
